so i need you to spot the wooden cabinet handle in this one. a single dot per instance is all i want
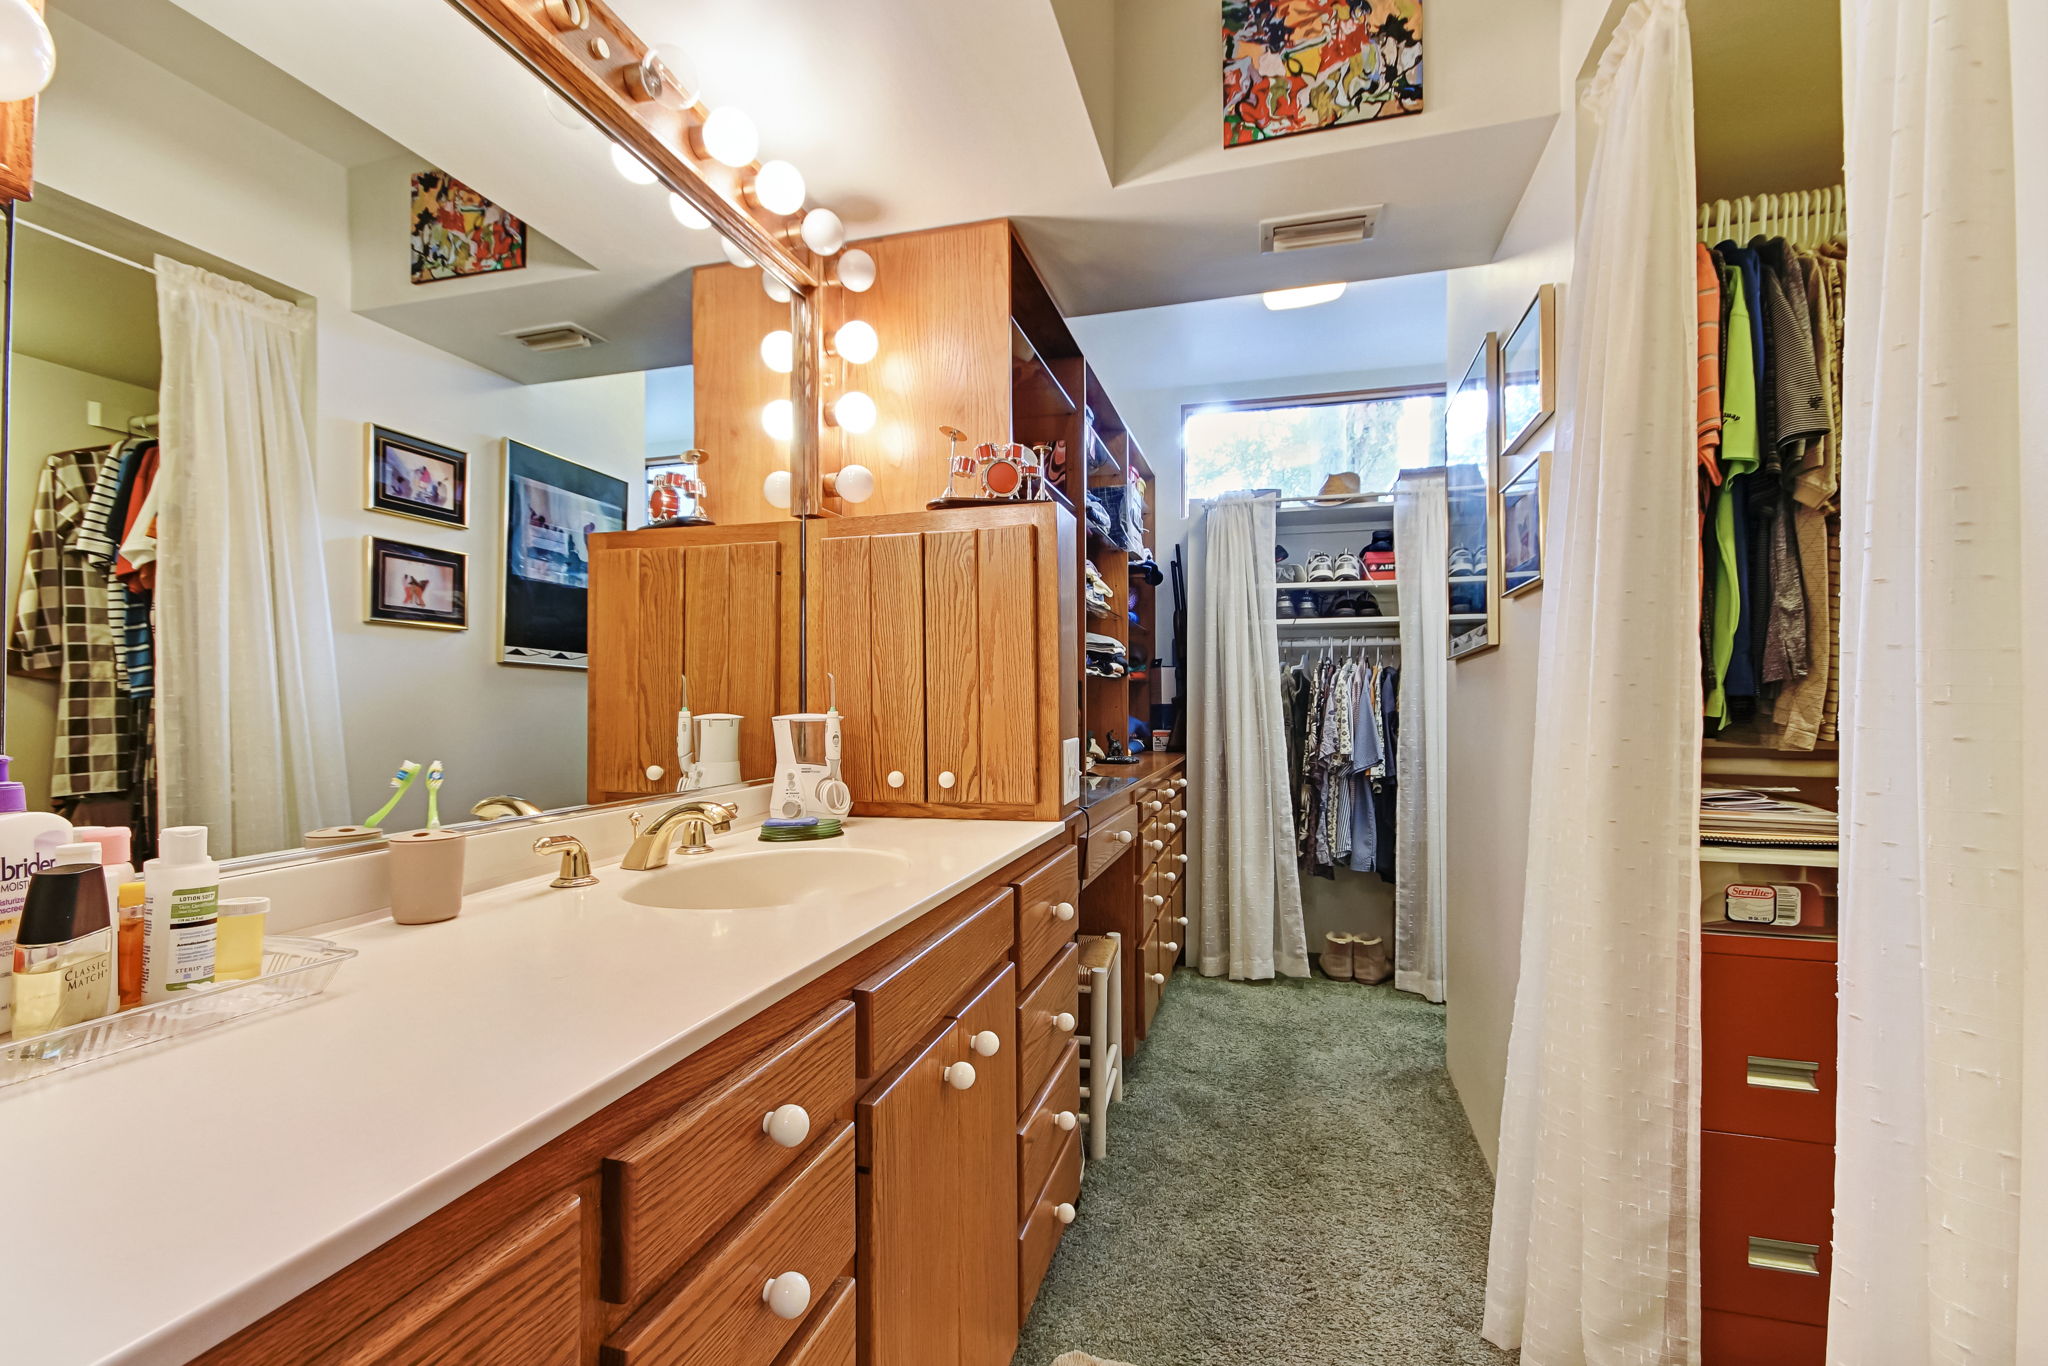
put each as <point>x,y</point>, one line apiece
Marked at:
<point>787,1125</point>
<point>987,1043</point>
<point>1063,1022</point>
<point>1063,910</point>
<point>787,1296</point>
<point>960,1076</point>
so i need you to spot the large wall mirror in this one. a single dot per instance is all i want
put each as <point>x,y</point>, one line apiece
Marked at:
<point>341,347</point>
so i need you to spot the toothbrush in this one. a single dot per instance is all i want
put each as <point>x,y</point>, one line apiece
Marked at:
<point>435,774</point>
<point>402,780</point>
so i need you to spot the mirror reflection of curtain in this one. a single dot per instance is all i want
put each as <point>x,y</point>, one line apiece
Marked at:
<point>1421,810</point>
<point>249,710</point>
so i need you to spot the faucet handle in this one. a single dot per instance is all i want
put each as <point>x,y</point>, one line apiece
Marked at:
<point>575,870</point>
<point>720,814</point>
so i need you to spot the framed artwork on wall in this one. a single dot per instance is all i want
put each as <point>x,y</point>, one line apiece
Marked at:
<point>457,232</point>
<point>411,477</point>
<point>416,585</point>
<point>1522,501</point>
<point>1528,372</point>
<point>552,509</point>
<point>1299,66</point>
<point>1471,446</point>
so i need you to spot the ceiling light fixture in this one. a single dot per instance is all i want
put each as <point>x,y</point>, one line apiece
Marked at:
<point>779,187</point>
<point>856,342</point>
<point>686,213</point>
<point>778,351</point>
<point>28,54</point>
<point>1304,296</point>
<point>631,167</point>
<point>729,137</point>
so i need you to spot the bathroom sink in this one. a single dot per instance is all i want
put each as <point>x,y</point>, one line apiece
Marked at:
<point>781,877</point>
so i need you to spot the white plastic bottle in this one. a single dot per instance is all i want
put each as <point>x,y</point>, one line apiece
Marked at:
<point>28,842</point>
<point>181,906</point>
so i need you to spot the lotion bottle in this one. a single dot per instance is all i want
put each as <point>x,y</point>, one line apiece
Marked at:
<point>28,841</point>
<point>181,901</point>
<point>64,959</point>
<point>115,843</point>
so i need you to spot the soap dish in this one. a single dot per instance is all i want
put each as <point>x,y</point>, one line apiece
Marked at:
<point>808,828</point>
<point>293,969</point>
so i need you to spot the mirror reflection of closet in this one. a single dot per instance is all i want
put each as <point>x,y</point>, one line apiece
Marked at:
<point>399,414</point>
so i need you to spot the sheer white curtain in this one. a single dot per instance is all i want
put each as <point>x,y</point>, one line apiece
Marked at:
<point>1247,885</point>
<point>249,738</point>
<point>1595,1222</point>
<point>1944,684</point>
<point>1422,538</point>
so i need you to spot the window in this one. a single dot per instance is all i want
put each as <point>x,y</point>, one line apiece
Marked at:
<point>1294,444</point>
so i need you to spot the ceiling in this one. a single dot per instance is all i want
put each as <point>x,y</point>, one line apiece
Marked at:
<point>1767,116</point>
<point>80,309</point>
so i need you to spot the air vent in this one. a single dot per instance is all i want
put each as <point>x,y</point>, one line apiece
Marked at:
<point>557,337</point>
<point>1328,230</point>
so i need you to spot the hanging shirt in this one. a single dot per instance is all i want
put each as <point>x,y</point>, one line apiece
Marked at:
<point>1738,456</point>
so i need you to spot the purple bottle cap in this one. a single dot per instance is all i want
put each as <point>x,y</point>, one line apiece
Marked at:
<point>13,796</point>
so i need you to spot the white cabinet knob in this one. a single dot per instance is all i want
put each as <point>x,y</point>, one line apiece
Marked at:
<point>1172,827</point>
<point>1124,837</point>
<point>946,779</point>
<point>1180,782</point>
<point>986,1043</point>
<point>895,778</point>
<point>960,1075</point>
<point>1156,899</point>
<point>1172,947</point>
<point>1065,1121</point>
<point>1064,1022</point>
<point>654,772</point>
<point>788,1295</point>
<point>1157,977</point>
<point>1183,858</point>
<point>1180,920</point>
<point>1063,1212</point>
<point>1181,814</point>
<point>1154,806</point>
<point>1155,844</point>
<point>788,1125</point>
<point>1063,910</point>
<point>1173,877</point>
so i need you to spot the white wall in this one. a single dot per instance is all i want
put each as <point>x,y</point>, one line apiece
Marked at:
<point>126,136</point>
<point>1493,695</point>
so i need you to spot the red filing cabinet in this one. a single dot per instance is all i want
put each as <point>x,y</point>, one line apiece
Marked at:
<point>1767,1157</point>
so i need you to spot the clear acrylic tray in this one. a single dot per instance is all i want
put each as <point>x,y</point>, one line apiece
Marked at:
<point>293,969</point>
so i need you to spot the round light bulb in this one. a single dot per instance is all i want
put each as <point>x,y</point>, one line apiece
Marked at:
<point>730,137</point>
<point>631,167</point>
<point>28,54</point>
<point>778,419</point>
<point>856,342</point>
<point>684,212</point>
<point>774,288</point>
<point>735,255</point>
<point>854,411</point>
<point>780,187</point>
<point>778,351</point>
<point>823,232</point>
<point>857,271</point>
<point>682,89</point>
<point>854,483</point>
<point>775,488</point>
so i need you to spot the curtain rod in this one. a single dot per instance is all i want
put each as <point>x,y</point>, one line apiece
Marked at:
<point>87,246</point>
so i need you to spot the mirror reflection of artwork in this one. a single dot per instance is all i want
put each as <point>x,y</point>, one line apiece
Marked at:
<point>1521,529</point>
<point>1469,444</point>
<point>552,509</point>
<point>1528,381</point>
<point>457,232</point>
<point>1297,66</point>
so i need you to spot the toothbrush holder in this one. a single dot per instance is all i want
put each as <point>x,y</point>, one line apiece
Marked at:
<point>426,876</point>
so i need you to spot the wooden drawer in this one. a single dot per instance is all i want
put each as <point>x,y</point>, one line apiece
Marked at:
<point>1166,931</point>
<point>1041,1135</point>
<point>1040,1039</point>
<point>828,1335</point>
<point>669,1190</point>
<point>713,1313</point>
<point>1107,841</point>
<point>1048,911</point>
<point>1769,1189</point>
<point>1150,967</point>
<point>521,1292</point>
<point>1040,1236</point>
<point>1767,1065</point>
<point>907,1000</point>
<point>1744,1340</point>
<point>1151,843</point>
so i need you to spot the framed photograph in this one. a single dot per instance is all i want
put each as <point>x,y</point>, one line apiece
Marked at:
<point>1521,526</point>
<point>1305,65</point>
<point>457,232</point>
<point>416,585</point>
<point>1471,459</point>
<point>552,509</point>
<point>1528,372</point>
<point>410,477</point>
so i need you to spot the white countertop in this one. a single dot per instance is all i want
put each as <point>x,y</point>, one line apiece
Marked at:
<point>159,1202</point>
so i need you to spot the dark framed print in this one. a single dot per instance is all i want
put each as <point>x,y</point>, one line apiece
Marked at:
<point>411,477</point>
<point>1528,372</point>
<point>552,509</point>
<point>416,585</point>
<point>1521,526</point>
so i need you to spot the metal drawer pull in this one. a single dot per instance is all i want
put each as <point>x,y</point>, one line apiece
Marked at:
<point>1784,1074</point>
<point>1774,1254</point>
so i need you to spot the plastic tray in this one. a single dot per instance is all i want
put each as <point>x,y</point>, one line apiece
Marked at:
<point>293,969</point>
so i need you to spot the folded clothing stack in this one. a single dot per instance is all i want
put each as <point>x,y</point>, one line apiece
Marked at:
<point>1745,815</point>
<point>1096,595</point>
<point>1107,657</point>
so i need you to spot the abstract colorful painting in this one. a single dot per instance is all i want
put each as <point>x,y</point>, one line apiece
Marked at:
<point>457,232</point>
<point>1296,66</point>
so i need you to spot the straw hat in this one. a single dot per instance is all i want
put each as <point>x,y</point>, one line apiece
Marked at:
<point>1340,487</point>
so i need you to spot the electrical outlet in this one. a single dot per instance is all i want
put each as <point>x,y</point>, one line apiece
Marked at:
<point>1070,769</point>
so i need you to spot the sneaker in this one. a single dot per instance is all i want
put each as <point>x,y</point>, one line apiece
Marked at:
<point>1371,961</point>
<point>1321,568</point>
<point>1290,573</point>
<point>1461,560</point>
<point>1348,567</point>
<point>1346,606</point>
<point>1368,605</point>
<point>1336,957</point>
<point>1285,607</point>
<point>1304,604</point>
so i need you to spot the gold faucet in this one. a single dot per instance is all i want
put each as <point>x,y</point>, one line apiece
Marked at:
<point>497,808</point>
<point>695,820</point>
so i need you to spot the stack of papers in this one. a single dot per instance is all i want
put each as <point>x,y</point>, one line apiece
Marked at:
<point>1747,815</point>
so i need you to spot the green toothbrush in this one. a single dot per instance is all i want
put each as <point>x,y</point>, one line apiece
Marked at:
<point>434,776</point>
<point>403,781</point>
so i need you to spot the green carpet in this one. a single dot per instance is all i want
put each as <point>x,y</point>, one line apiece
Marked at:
<point>1290,1182</point>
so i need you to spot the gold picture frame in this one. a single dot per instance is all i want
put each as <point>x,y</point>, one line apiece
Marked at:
<point>392,487</point>
<point>1528,373</point>
<point>382,555</point>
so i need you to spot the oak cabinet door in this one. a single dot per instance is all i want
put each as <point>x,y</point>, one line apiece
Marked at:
<point>982,642</point>
<point>867,635</point>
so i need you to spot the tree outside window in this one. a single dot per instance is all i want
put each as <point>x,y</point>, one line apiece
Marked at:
<point>1295,444</point>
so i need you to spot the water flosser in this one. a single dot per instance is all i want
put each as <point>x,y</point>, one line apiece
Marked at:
<point>686,744</point>
<point>833,793</point>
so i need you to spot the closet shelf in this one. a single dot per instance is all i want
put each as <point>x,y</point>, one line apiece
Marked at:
<point>1338,621</point>
<point>1789,857</point>
<point>1326,585</point>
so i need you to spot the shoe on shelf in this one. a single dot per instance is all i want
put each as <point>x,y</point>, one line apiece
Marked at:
<point>1336,957</point>
<point>1345,606</point>
<point>1304,604</point>
<point>1290,573</point>
<point>1321,568</point>
<point>1372,962</point>
<point>1285,607</point>
<point>1461,560</point>
<point>1348,567</point>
